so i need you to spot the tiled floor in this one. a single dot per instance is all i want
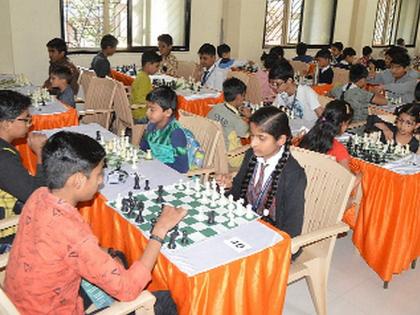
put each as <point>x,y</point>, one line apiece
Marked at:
<point>355,289</point>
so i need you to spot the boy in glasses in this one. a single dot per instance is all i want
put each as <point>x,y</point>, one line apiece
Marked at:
<point>16,184</point>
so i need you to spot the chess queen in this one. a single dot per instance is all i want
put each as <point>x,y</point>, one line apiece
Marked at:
<point>269,177</point>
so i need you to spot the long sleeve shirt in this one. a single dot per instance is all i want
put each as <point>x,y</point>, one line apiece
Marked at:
<point>53,250</point>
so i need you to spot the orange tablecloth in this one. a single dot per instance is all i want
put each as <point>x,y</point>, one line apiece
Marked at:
<point>252,285</point>
<point>387,230</point>
<point>322,89</point>
<point>42,122</point>
<point>125,79</point>
<point>199,107</point>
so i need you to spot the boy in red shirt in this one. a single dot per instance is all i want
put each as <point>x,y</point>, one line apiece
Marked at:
<point>54,248</point>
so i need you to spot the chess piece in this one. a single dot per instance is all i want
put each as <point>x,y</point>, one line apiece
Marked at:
<point>146,185</point>
<point>118,202</point>
<point>231,202</point>
<point>98,136</point>
<point>266,217</point>
<point>136,182</point>
<point>149,155</point>
<point>249,212</point>
<point>231,222</point>
<point>139,218</point>
<point>172,238</point>
<point>211,217</point>
<point>125,206</point>
<point>184,239</point>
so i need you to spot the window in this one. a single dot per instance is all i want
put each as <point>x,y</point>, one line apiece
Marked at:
<point>136,23</point>
<point>396,19</point>
<point>288,22</point>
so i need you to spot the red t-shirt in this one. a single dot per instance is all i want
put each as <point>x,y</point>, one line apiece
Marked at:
<point>339,151</point>
<point>54,248</point>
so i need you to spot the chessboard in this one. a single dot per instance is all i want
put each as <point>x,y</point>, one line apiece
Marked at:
<point>209,212</point>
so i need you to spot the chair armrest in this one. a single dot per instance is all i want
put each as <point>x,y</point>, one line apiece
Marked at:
<point>145,301</point>
<point>200,171</point>
<point>4,258</point>
<point>136,106</point>
<point>319,235</point>
<point>9,222</point>
<point>238,151</point>
<point>95,111</point>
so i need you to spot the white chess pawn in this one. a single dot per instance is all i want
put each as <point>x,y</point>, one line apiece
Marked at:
<point>197,184</point>
<point>118,202</point>
<point>213,184</point>
<point>240,210</point>
<point>204,199</point>
<point>187,188</point>
<point>181,184</point>
<point>249,212</point>
<point>213,203</point>
<point>222,191</point>
<point>231,222</point>
<point>149,155</point>
<point>207,187</point>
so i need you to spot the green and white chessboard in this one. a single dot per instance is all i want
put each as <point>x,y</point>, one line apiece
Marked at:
<point>195,222</point>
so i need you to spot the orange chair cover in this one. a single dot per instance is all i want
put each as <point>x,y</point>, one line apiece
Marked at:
<point>322,89</point>
<point>252,285</point>
<point>387,228</point>
<point>42,122</point>
<point>199,107</point>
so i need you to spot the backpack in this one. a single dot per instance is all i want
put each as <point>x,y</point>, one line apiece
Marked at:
<point>194,151</point>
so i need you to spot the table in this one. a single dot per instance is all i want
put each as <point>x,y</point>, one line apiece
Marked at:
<point>198,103</point>
<point>254,283</point>
<point>387,227</point>
<point>53,115</point>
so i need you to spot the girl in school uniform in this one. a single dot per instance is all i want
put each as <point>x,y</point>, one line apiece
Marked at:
<point>270,179</point>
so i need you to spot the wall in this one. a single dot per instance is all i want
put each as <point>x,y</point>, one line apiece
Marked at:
<point>25,27</point>
<point>6,51</point>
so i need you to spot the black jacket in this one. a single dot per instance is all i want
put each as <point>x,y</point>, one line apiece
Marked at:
<point>326,77</point>
<point>290,196</point>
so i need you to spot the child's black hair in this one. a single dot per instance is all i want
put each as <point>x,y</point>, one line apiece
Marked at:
<point>301,49</point>
<point>417,93</point>
<point>401,58</point>
<point>323,53</point>
<point>273,121</point>
<point>233,87</point>
<point>392,50</point>
<point>12,104</point>
<point>338,45</point>
<point>320,137</point>
<point>207,49</point>
<point>67,153</point>
<point>400,41</point>
<point>358,72</point>
<point>108,41</point>
<point>59,44</point>
<point>150,57</point>
<point>165,97</point>
<point>62,72</point>
<point>166,38</point>
<point>281,70</point>
<point>278,51</point>
<point>348,51</point>
<point>223,49</point>
<point>366,51</point>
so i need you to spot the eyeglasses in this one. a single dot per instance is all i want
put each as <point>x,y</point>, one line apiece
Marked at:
<point>28,120</point>
<point>276,83</point>
<point>409,123</point>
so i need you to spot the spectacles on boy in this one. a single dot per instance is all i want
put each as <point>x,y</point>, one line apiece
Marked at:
<point>276,83</point>
<point>27,120</point>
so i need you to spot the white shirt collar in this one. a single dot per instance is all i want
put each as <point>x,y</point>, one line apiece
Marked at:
<point>211,68</point>
<point>271,165</point>
<point>325,69</point>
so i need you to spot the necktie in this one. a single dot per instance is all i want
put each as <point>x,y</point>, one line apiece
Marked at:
<point>204,79</point>
<point>258,186</point>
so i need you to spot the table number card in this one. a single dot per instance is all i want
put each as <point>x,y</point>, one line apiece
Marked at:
<point>237,244</point>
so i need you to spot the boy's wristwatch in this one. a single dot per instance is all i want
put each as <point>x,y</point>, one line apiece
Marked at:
<point>156,238</point>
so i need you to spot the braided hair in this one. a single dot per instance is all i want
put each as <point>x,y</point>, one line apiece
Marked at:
<point>273,121</point>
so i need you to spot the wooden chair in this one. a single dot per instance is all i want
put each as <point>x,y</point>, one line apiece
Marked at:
<point>324,100</point>
<point>299,67</point>
<point>222,156</point>
<point>326,195</point>
<point>186,69</point>
<point>341,76</point>
<point>124,116</point>
<point>142,305</point>
<point>84,80</point>
<point>99,101</point>
<point>208,134</point>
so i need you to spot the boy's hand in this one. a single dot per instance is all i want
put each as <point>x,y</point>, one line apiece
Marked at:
<point>36,142</point>
<point>168,219</point>
<point>224,180</point>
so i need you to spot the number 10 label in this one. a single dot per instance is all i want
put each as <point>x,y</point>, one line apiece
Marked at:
<point>237,244</point>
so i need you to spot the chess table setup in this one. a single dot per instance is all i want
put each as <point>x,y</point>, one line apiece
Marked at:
<point>370,148</point>
<point>13,81</point>
<point>209,212</point>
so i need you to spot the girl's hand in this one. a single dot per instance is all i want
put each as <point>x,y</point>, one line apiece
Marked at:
<point>388,133</point>
<point>224,180</point>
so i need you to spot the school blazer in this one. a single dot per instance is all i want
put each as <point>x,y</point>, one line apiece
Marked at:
<point>290,195</point>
